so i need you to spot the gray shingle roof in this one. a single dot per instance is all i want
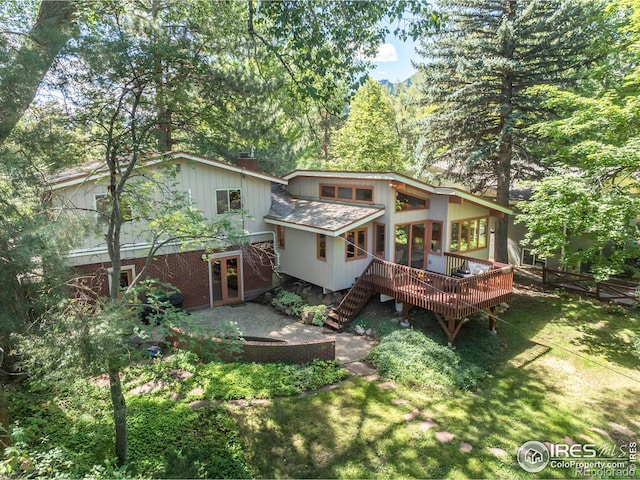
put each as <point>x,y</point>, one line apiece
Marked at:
<point>314,214</point>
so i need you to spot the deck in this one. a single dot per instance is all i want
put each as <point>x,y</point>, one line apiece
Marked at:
<point>451,299</point>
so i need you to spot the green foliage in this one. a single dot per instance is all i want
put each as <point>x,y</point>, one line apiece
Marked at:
<point>415,360</point>
<point>290,302</point>
<point>369,140</point>
<point>570,206</point>
<point>65,429</point>
<point>318,314</point>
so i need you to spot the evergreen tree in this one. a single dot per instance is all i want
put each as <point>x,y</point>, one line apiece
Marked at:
<point>369,140</point>
<point>479,74</point>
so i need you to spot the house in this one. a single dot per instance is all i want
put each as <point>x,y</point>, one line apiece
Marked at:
<point>390,234</point>
<point>338,221</point>
<point>204,278</point>
<point>370,232</point>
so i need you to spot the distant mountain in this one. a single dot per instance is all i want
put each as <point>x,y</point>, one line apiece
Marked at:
<point>394,87</point>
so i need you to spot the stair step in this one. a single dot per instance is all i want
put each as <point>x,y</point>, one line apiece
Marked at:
<point>332,324</point>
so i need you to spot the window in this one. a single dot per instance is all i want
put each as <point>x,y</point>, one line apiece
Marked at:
<point>102,202</point>
<point>409,202</point>
<point>280,236</point>
<point>468,234</point>
<point>356,244</point>
<point>402,244</point>
<point>530,258</point>
<point>379,240</point>
<point>435,245</point>
<point>127,274</point>
<point>228,200</point>
<point>321,247</point>
<point>347,193</point>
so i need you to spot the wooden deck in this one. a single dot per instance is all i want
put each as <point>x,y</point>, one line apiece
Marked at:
<point>451,299</point>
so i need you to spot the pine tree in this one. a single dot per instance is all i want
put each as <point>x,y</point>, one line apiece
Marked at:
<point>479,75</point>
<point>369,139</point>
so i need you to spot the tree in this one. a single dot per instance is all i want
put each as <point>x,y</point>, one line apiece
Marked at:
<point>22,73</point>
<point>369,140</point>
<point>596,138</point>
<point>479,74</point>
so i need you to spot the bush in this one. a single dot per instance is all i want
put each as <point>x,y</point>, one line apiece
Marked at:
<point>289,303</point>
<point>315,313</point>
<point>411,358</point>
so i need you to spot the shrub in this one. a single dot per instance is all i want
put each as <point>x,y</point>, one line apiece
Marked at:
<point>315,313</point>
<point>411,358</point>
<point>289,302</point>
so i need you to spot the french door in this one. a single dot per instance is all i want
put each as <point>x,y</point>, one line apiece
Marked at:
<point>226,280</point>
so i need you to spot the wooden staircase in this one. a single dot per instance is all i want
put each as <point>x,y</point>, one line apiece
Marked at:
<point>354,301</point>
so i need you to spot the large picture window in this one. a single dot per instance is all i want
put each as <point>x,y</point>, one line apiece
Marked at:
<point>356,244</point>
<point>379,240</point>
<point>469,234</point>
<point>228,200</point>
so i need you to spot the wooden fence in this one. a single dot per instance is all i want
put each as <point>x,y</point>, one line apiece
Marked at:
<point>583,283</point>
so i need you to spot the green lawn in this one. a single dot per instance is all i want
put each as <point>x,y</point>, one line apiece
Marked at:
<point>562,369</point>
<point>554,381</point>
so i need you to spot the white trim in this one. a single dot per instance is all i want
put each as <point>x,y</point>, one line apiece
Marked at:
<point>329,233</point>
<point>229,209</point>
<point>123,268</point>
<point>83,177</point>
<point>389,176</point>
<point>208,257</point>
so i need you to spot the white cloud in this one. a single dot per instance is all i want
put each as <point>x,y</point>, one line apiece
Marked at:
<point>386,53</point>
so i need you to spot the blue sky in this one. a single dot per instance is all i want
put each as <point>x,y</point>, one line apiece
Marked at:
<point>393,61</point>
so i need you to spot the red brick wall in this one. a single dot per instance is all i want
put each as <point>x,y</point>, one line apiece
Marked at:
<point>187,272</point>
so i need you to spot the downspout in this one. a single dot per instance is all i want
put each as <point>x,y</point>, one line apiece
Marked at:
<point>253,234</point>
<point>275,248</point>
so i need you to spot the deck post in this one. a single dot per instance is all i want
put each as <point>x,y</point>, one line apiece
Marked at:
<point>406,308</point>
<point>492,320</point>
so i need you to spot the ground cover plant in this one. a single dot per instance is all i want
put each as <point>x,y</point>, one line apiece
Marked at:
<point>564,370</point>
<point>65,430</point>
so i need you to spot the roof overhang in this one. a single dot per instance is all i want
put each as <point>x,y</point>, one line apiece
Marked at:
<point>397,179</point>
<point>97,172</point>
<point>330,233</point>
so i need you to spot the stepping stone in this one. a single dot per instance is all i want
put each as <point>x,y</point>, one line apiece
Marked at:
<point>621,429</point>
<point>399,401</point>
<point>604,433</point>
<point>181,374</point>
<point>498,452</point>
<point>150,386</point>
<point>427,424</point>
<point>465,447</point>
<point>635,422</point>
<point>197,404</point>
<point>444,437</point>
<point>372,378</point>
<point>411,415</point>
<point>359,368</point>
<point>387,385</point>
<point>174,397</point>
<point>260,401</point>
<point>569,441</point>
<point>196,392</point>
<point>587,438</point>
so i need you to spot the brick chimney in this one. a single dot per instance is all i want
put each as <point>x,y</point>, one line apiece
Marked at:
<point>248,161</point>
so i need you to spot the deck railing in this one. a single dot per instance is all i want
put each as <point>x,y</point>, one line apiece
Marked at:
<point>450,296</point>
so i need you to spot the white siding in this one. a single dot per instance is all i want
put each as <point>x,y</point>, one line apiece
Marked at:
<point>200,180</point>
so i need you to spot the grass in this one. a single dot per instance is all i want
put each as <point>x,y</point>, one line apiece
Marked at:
<point>563,369</point>
<point>555,380</point>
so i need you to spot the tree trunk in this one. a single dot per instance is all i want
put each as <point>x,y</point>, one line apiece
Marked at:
<point>5,440</point>
<point>505,149</point>
<point>22,78</point>
<point>119,416</point>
